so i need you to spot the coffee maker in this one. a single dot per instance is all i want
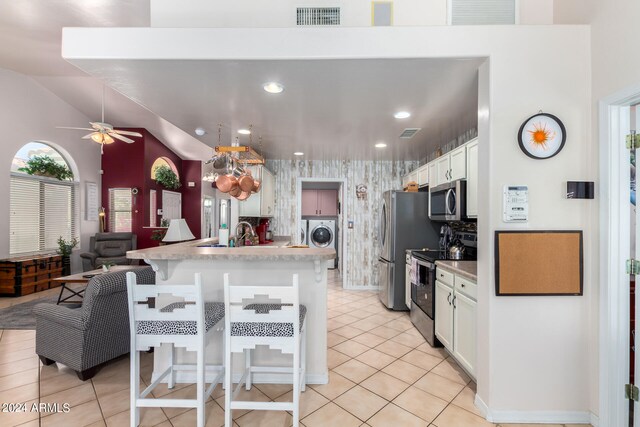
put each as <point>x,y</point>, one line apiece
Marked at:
<point>261,229</point>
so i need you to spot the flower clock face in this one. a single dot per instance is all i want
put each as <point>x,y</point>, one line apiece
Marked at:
<point>542,136</point>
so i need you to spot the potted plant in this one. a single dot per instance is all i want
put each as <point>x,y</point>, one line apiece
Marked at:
<point>158,235</point>
<point>46,166</point>
<point>65,248</point>
<point>167,177</point>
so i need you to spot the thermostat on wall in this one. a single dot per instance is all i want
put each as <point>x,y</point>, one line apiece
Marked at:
<point>515,203</point>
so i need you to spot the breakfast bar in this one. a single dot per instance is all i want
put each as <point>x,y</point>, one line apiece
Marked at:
<point>252,265</point>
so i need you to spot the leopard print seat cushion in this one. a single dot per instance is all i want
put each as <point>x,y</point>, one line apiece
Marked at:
<point>213,313</point>
<point>263,329</point>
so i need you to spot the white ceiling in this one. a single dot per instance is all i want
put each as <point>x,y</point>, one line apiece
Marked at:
<point>330,108</point>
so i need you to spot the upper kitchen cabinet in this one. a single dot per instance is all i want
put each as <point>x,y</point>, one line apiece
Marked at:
<point>472,179</point>
<point>319,202</point>
<point>262,203</point>
<point>410,177</point>
<point>448,167</point>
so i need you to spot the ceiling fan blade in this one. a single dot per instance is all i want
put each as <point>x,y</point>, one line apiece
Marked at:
<point>101,126</point>
<point>67,127</point>
<point>88,136</point>
<point>120,137</point>
<point>126,132</point>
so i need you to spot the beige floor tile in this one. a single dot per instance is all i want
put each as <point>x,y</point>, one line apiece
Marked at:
<point>336,386</point>
<point>409,340</point>
<point>360,313</point>
<point>33,423</point>
<point>52,384</point>
<point>347,318</point>
<point>75,397</point>
<point>453,416</point>
<point>439,386</point>
<point>448,368</point>
<point>401,324</point>
<point>163,389</point>
<point>115,403</point>
<point>420,403</point>
<point>19,366</point>
<point>254,395</point>
<point>361,402</point>
<point>375,358</point>
<point>148,417</point>
<point>164,424</point>
<point>369,339</point>
<point>439,352</point>
<point>421,360</point>
<point>10,335</point>
<point>335,358</point>
<point>18,379</point>
<point>355,371</point>
<point>310,401</point>
<point>81,415</point>
<point>333,339</point>
<point>392,415</point>
<point>20,414</point>
<point>542,425</point>
<point>16,355</point>
<point>331,415</point>
<point>365,324</point>
<point>214,417</point>
<point>465,400</point>
<point>393,348</point>
<point>113,383</point>
<point>273,391</point>
<point>351,348</point>
<point>11,346</point>
<point>20,394</point>
<point>348,331</point>
<point>384,332</point>
<point>404,371</point>
<point>266,419</point>
<point>384,385</point>
<point>333,324</point>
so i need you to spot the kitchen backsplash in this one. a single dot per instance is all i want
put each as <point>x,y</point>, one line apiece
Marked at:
<point>362,241</point>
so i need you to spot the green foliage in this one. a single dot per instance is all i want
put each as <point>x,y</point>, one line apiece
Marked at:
<point>158,235</point>
<point>167,178</point>
<point>46,166</point>
<point>64,247</point>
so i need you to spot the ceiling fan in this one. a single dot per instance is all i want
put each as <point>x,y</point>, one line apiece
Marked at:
<point>104,133</point>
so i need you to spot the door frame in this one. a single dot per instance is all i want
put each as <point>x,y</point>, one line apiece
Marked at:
<point>342,242</point>
<point>614,251</point>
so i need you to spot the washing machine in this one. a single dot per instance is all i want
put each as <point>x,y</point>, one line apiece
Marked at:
<point>304,240</point>
<point>322,233</point>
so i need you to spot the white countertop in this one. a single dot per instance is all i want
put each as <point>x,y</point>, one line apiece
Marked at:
<point>275,251</point>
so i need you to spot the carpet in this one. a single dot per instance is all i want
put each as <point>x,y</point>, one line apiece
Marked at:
<point>19,316</point>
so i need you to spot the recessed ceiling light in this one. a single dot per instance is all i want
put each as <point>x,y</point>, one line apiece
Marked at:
<point>402,115</point>
<point>244,131</point>
<point>200,131</point>
<point>273,87</point>
<point>380,145</point>
<point>298,153</point>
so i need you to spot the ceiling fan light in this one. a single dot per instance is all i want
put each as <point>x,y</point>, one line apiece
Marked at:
<point>102,138</point>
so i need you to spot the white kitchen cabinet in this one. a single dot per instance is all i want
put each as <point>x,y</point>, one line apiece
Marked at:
<point>448,167</point>
<point>410,177</point>
<point>455,318</point>
<point>433,173</point>
<point>464,331</point>
<point>262,203</point>
<point>423,175</point>
<point>472,179</point>
<point>442,163</point>
<point>444,315</point>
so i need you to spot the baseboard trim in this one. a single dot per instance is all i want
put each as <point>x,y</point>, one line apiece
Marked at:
<point>540,417</point>
<point>361,288</point>
<point>595,420</point>
<point>484,409</point>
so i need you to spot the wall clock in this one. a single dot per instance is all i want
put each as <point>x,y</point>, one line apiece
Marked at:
<point>542,136</point>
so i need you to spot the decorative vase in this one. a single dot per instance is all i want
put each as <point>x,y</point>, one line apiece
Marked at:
<point>66,266</point>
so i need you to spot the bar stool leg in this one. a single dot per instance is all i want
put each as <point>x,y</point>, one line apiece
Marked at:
<point>135,387</point>
<point>247,366</point>
<point>172,361</point>
<point>201,383</point>
<point>228,413</point>
<point>303,361</point>
<point>296,388</point>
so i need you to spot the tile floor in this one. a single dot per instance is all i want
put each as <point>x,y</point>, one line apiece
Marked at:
<point>382,373</point>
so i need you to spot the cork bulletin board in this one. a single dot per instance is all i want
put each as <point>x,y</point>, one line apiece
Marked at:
<point>538,262</point>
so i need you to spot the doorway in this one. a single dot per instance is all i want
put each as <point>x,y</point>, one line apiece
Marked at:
<point>619,228</point>
<point>320,218</point>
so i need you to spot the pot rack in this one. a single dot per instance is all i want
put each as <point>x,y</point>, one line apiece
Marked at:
<point>245,154</point>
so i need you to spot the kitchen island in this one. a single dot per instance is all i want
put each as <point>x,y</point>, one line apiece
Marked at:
<point>254,265</point>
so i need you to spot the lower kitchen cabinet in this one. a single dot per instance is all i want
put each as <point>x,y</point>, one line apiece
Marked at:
<point>455,320</point>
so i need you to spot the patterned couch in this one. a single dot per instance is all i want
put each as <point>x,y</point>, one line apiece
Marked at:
<point>86,337</point>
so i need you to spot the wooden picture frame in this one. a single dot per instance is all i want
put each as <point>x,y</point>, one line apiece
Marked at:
<point>539,262</point>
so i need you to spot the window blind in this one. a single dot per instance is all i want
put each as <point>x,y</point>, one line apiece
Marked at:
<point>41,211</point>
<point>483,12</point>
<point>120,218</point>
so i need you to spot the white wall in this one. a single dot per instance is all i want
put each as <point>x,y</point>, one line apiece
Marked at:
<point>536,12</point>
<point>29,112</point>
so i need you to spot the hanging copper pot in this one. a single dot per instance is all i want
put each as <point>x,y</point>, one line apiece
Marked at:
<point>236,191</point>
<point>244,195</point>
<point>256,186</point>
<point>246,183</point>
<point>226,183</point>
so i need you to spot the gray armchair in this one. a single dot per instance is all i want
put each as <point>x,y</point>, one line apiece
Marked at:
<point>86,337</point>
<point>109,248</point>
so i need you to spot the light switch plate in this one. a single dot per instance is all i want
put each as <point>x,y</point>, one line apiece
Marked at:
<point>350,224</point>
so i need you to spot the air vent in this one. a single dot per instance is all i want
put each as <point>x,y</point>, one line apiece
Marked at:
<point>318,16</point>
<point>409,132</point>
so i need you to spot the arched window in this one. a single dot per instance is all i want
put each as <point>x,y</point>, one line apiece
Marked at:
<point>163,161</point>
<point>43,200</point>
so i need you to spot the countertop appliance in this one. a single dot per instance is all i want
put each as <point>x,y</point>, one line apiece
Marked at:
<point>448,201</point>
<point>404,224</point>
<point>423,285</point>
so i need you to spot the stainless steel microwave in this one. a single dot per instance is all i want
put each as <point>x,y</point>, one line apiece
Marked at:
<point>447,202</point>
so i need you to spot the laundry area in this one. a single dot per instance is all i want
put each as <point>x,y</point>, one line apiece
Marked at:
<point>320,216</point>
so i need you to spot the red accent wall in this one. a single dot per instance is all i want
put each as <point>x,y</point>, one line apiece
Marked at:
<point>192,196</point>
<point>128,166</point>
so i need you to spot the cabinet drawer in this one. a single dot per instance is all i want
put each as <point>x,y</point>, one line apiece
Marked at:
<point>444,276</point>
<point>466,287</point>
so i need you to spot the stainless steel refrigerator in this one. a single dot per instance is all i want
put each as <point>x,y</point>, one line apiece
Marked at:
<point>404,224</point>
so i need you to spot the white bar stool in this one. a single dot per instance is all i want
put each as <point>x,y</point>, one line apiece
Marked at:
<point>278,324</point>
<point>186,324</point>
